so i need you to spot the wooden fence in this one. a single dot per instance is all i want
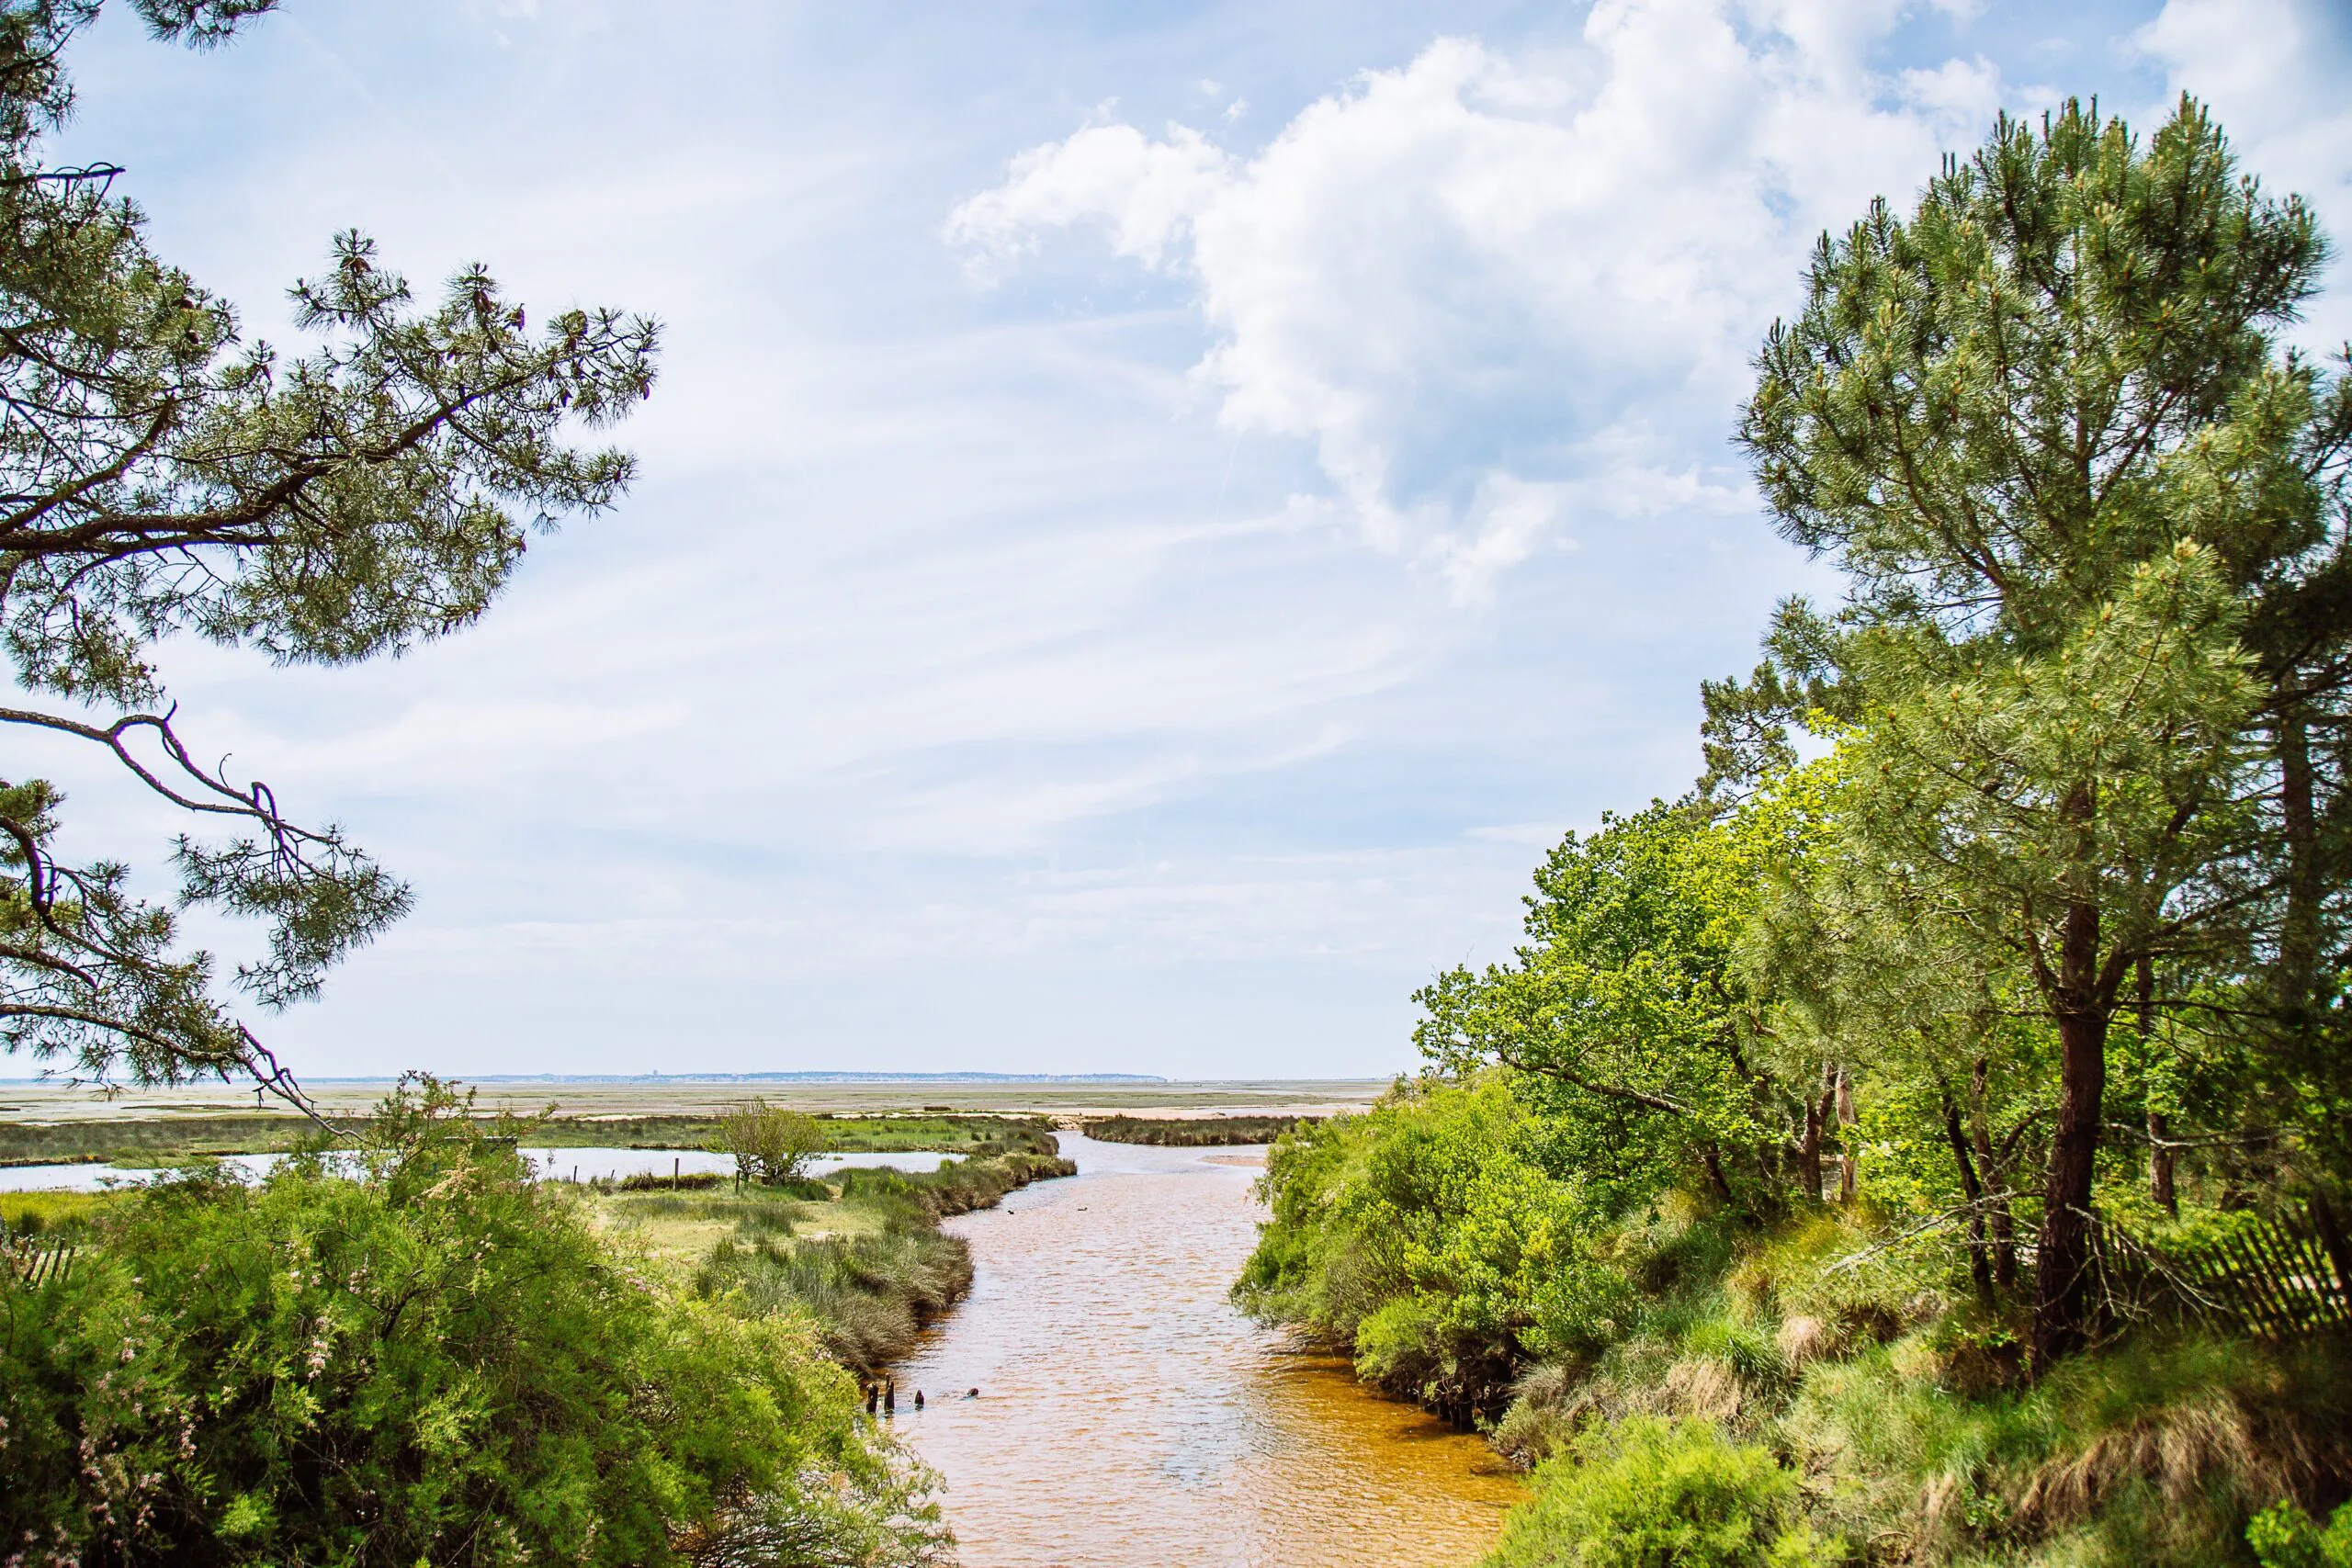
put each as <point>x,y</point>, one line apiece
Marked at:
<point>29,1261</point>
<point>2276,1278</point>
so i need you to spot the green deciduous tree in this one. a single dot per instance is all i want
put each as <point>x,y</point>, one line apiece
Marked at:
<point>1628,1011</point>
<point>769,1143</point>
<point>161,475</point>
<point>1435,1239</point>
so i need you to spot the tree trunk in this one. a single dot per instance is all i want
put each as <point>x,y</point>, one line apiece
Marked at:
<point>1809,1155</point>
<point>2161,1184</point>
<point>1999,1220</point>
<point>2298,936</point>
<point>1715,1162</point>
<point>2160,1153</point>
<point>1980,1261</point>
<point>1847,1177</point>
<point>1816,1118</point>
<point>2062,1308</point>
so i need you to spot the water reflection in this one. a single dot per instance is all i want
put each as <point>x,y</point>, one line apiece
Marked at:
<point>1129,1415</point>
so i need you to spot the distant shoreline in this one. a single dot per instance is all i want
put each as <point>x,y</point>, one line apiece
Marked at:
<point>796,1077</point>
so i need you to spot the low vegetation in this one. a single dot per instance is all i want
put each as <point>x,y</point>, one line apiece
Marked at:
<point>1190,1132</point>
<point>1668,1365</point>
<point>421,1355</point>
<point>861,1255</point>
<point>157,1141</point>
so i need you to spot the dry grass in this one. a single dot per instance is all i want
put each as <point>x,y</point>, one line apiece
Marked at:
<point>2183,1450</point>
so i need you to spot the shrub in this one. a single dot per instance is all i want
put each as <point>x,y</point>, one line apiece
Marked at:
<point>2283,1536</point>
<point>1427,1236</point>
<point>1651,1493</point>
<point>769,1143</point>
<point>428,1359</point>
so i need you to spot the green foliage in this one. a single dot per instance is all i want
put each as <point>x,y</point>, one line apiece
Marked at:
<point>769,1143</point>
<point>165,475</point>
<point>1626,1016</point>
<point>2017,899</point>
<point>2089,672</point>
<point>1427,1237</point>
<point>1649,1493</point>
<point>426,1359</point>
<point>2283,1536</point>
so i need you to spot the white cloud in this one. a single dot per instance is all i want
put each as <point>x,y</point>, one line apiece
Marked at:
<point>1143,193</point>
<point>952,692</point>
<point>2273,74</point>
<point>1507,295</point>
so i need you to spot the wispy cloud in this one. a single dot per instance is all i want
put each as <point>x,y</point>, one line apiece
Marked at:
<point>1162,653</point>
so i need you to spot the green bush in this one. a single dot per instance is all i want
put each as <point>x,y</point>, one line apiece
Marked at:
<point>429,1359</point>
<point>1650,1493</point>
<point>2283,1536</point>
<point>1427,1237</point>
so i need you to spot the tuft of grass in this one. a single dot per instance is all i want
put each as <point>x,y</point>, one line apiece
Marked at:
<point>50,1213</point>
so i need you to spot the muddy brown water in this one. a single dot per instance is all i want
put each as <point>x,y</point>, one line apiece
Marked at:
<point>1129,1418</point>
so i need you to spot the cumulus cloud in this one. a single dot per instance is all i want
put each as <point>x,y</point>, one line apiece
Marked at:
<point>1507,295</point>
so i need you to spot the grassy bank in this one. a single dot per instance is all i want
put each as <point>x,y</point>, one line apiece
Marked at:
<point>862,1253</point>
<point>1823,1385</point>
<point>1190,1132</point>
<point>163,1140</point>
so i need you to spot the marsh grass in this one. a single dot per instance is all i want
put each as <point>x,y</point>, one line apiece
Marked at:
<point>863,1255</point>
<point>62,1214</point>
<point>1192,1131</point>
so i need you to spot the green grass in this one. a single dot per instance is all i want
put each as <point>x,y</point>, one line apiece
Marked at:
<point>1901,1409</point>
<point>866,1259</point>
<point>49,1214</point>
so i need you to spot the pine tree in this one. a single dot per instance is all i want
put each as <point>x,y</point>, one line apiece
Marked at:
<point>2046,427</point>
<point>159,475</point>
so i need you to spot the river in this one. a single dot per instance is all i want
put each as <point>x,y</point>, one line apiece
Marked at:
<point>1129,1417</point>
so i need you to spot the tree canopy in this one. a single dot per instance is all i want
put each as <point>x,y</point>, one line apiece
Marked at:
<point>2079,728</point>
<point>161,475</point>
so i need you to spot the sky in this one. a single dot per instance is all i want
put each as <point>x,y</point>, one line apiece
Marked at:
<point>1154,517</point>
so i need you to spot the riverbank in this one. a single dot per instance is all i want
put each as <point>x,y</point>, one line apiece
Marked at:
<point>1818,1385</point>
<point>863,1253</point>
